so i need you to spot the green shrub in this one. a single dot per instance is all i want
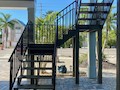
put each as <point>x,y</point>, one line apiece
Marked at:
<point>83,58</point>
<point>103,56</point>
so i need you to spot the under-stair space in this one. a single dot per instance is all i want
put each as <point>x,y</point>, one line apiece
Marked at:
<point>35,66</point>
<point>31,56</point>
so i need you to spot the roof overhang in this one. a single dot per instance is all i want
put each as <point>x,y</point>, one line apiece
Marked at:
<point>16,4</point>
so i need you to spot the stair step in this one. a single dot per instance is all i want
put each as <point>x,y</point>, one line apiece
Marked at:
<point>41,51</point>
<point>91,19</point>
<point>34,77</point>
<point>95,4</point>
<point>89,12</point>
<point>40,48</point>
<point>34,87</point>
<point>41,45</point>
<point>41,68</point>
<point>37,61</point>
<point>89,27</point>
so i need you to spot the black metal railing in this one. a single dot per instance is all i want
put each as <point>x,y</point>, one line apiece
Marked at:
<point>45,34</point>
<point>104,8</point>
<point>66,19</point>
<point>101,17</point>
<point>95,14</point>
<point>18,53</point>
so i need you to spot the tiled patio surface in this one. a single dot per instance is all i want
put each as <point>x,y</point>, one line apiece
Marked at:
<point>62,83</point>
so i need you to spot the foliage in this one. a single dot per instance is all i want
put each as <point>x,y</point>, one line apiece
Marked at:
<point>109,25</point>
<point>83,57</point>
<point>82,38</point>
<point>112,39</point>
<point>5,23</point>
<point>103,57</point>
<point>45,28</point>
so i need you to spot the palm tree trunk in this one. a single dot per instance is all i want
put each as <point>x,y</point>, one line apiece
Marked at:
<point>2,40</point>
<point>6,37</point>
<point>106,40</point>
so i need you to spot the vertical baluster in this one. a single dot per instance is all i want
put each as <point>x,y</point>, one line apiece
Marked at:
<point>11,73</point>
<point>61,27</point>
<point>43,31</point>
<point>73,16</point>
<point>49,30</point>
<point>65,20</point>
<point>63,23</point>
<point>51,33</point>
<point>28,33</point>
<point>39,29</point>
<point>21,46</point>
<point>47,33</point>
<point>70,16</point>
<point>35,35</point>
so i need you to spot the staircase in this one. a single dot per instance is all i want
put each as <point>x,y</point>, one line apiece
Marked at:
<point>29,58</point>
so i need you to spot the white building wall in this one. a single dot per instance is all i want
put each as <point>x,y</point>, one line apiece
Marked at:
<point>16,33</point>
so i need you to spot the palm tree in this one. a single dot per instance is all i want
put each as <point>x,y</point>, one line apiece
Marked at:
<point>5,23</point>
<point>109,25</point>
<point>48,21</point>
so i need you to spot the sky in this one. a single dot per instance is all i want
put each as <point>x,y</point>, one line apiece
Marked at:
<point>55,5</point>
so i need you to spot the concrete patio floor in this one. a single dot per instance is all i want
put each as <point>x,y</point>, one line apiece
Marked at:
<point>67,83</point>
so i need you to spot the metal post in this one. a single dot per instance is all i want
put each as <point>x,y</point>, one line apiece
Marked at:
<point>31,17</point>
<point>100,56</point>
<point>77,57</point>
<point>11,70</point>
<point>74,69</point>
<point>118,47</point>
<point>32,66</point>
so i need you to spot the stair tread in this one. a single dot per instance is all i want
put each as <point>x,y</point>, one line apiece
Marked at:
<point>91,19</point>
<point>41,53</point>
<point>35,77</point>
<point>34,86</point>
<point>95,4</point>
<point>43,68</point>
<point>89,27</point>
<point>37,61</point>
<point>94,12</point>
<point>41,48</point>
<point>41,45</point>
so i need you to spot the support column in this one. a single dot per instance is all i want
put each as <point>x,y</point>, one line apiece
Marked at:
<point>99,56</point>
<point>77,57</point>
<point>118,47</point>
<point>92,50</point>
<point>74,61</point>
<point>31,17</point>
<point>92,55</point>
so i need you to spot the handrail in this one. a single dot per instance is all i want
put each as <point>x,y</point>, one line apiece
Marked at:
<point>19,41</point>
<point>78,10</point>
<point>17,54</point>
<point>66,19</point>
<point>66,7</point>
